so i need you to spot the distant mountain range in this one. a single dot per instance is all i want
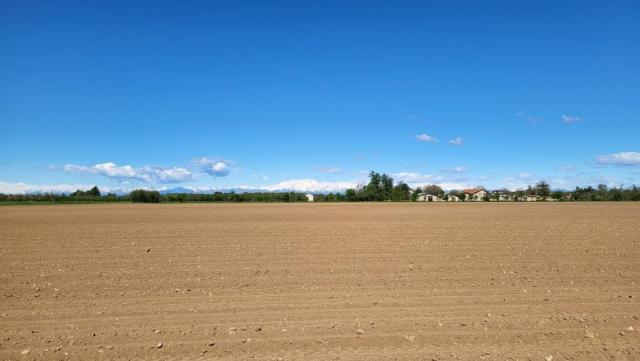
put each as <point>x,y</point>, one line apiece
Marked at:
<point>177,190</point>
<point>213,190</point>
<point>237,190</point>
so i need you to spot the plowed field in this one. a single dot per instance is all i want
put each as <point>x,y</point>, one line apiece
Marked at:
<point>376,281</point>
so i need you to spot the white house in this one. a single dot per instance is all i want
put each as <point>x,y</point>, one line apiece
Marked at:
<point>530,198</point>
<point>502,195</point>
<point>428,198</point>
<point>450,197</point>
<point>475,194</point>
<point>309,197</point>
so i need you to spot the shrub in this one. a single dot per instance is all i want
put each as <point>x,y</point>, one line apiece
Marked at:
<point>144,196</point>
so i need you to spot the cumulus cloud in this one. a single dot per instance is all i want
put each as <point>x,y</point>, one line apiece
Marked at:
<point>147,174</point>
<point>424,137</point>
<point>570,119</point>
<point>621,159</point>
<point>456,141</point>
<point>214,167</point>
<point>328,170</point>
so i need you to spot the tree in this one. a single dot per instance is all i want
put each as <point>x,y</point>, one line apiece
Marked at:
<point>95,191</point>
<point>519,195</point>
<point>542,189</point>
<point>373,190</point>
<point>144,196</point>
<point>616,194</point>
<point>557,195</point>
<point>433,189</point>
<point>401,192</point>
<point>351,195</point>
<point>387,186</point>
<point>530,190</point>
<point>179,197</point>
<point>416,192</point>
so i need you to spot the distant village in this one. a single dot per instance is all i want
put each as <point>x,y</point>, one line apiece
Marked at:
<point>474,195</point>
<point>381,187</point>
<point>482,195</point>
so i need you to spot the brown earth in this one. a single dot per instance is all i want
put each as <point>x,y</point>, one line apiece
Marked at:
<point>385,281</point>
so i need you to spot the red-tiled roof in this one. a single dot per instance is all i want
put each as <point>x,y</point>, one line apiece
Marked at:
<point>473,191</point>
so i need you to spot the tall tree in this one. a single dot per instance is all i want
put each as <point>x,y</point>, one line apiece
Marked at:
<point>542,189</point>
<point>401,192</point>
<point>433,189</point>
<point>95,191</point>
<point>387,186</point>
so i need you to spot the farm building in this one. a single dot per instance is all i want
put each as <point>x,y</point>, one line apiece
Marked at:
<point>502,195</point>
<point>450,197</point>
<point>530,198</point>
<point>475,194</point>
<point>309,197</point>
<point>428,198</point>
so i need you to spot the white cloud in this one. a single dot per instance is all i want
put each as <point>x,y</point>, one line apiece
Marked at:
<point>528,118</point>
<point>457,170</point>
<point>147,174</point>
<point>328,170</point>
<point>622,159</point>
<point>449,186</point>
<point>570,119</point>
<point>214,167</point>
<point>519,181</point>
<point>426,138</point>
<point>417,180</point>
<point>456,141</point>
<point>566,168</point>
<point>410,177</point>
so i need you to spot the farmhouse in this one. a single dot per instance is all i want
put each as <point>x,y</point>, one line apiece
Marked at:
<point>530,198</point>
<point>450,197</point>
<point>475,194</point>
<point>424,197</point>
<point>309,197</point>
<point>502,195</point>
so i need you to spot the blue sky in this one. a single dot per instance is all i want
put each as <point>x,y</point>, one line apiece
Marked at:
<point>313,95</point>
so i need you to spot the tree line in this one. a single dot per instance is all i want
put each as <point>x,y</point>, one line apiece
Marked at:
<point>381,187</point>
<point>150,196</point>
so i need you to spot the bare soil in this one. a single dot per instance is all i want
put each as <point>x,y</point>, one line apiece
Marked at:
<point>383,281</point>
